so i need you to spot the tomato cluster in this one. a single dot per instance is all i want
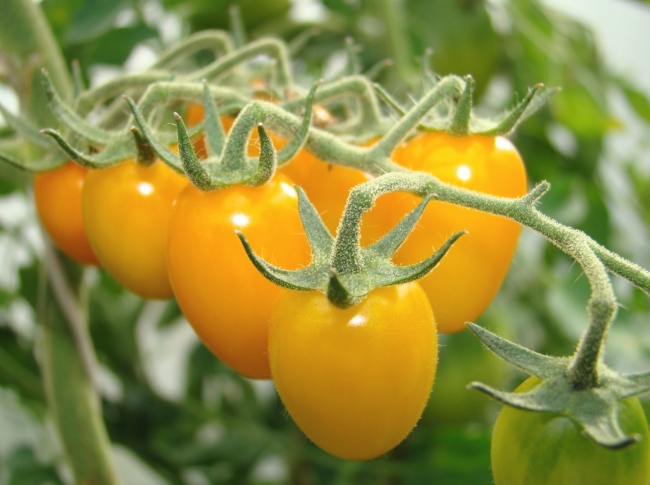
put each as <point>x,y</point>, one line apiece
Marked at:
<point>355,380</point>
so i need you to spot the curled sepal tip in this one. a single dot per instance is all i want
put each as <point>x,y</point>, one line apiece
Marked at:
<point>535,98</point>
<point>291,149</point>
<point>146,155</point>
<point>267,161</point>
<point>463,113</point>
<point>214,132</point>
<point>302,280</point>
<point>160,149</point>
<point>113,154</point>
<point>193,168</point>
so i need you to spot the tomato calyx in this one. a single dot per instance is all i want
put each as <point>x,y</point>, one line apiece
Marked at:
<point>595,409</point>
<point>227,163</point>
<point>340,267</point>
<point>462,121</point>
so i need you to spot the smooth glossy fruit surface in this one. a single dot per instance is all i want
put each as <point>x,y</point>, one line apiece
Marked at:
<point>57,194</point>
<point>466,280</point>
<point>126,212</point>
<point>224,297</point>
<point>356,380</point>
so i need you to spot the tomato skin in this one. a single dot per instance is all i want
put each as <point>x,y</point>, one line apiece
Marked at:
<point>464,283</point>
<point>57,194</point>
<point>224,297</point>
<point>356,380</point>
<point>546,448</point>
<point>126,212</point>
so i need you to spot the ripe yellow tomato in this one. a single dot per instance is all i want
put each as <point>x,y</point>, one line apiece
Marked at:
<point>57,194</point>
<point>126,212</point>
<point>356,380</point>
<point>224,297</point>
<point>464,283</point>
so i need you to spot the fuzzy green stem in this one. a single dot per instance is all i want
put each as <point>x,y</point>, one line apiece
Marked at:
<point>67,361</point>
<point>274,48</point>
<point>394,15</point>
<point>583,372</point>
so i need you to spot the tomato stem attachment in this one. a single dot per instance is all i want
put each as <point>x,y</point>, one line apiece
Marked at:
<point>340,267</point>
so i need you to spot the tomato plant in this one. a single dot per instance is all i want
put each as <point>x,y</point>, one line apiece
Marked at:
<point>219,290</point>
<point>355,380</point>
<point>126,212</point>
<point>466,280</point>
<point>57,194</point>
<point>534,448</point>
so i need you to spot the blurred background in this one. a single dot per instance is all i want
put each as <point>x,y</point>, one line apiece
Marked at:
<point>178,416</point>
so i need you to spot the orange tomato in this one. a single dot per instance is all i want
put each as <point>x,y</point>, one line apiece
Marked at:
<point>464,283</point>
<point>223,296</point>
<point>57,194</point>
<point>356,380</point>
<point>126,212</point>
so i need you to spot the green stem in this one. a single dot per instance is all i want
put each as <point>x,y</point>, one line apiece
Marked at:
<point>26,45</point>
<point>394,15</point>
<point>67,363</point>
<point>583,371</point>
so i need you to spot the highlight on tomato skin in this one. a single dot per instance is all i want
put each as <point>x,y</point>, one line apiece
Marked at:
<point>466,280</point>
<point>223,296</point>
<point>126,212</point>
<point>57,196</point>
<point>356,380</point>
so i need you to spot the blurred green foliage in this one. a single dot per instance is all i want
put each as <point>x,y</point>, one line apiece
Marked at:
<point>214,426</point>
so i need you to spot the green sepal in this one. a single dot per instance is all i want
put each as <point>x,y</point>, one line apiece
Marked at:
<point>462,116</point>
<point>373,269</point>
<point>290,150</point>
<point>535,99</point>
<point>595,409</point>
<point>267,161</point>
<point>164,153</point>
<point>338,294</point>
<point>66,115</point>
<point>50,161</point>
<point>304,279</point>
<point>146,155</point>
<point>214,133</point>
<point>529,361</point>
<point>320,240</point>
<point>195,170</point>
<point>463,122</point>
<point>113,154</point>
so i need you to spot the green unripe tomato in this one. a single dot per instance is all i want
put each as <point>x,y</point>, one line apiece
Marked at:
<point>530,448</point>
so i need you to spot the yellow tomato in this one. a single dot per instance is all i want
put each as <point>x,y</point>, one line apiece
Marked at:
<point>464,283</point>
<point>126,212</point>
<point>57,194</point>
<point>224,297</point>
<point>356,380</point>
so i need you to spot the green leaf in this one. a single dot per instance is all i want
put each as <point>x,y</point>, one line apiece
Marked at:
<point>94,18</point>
